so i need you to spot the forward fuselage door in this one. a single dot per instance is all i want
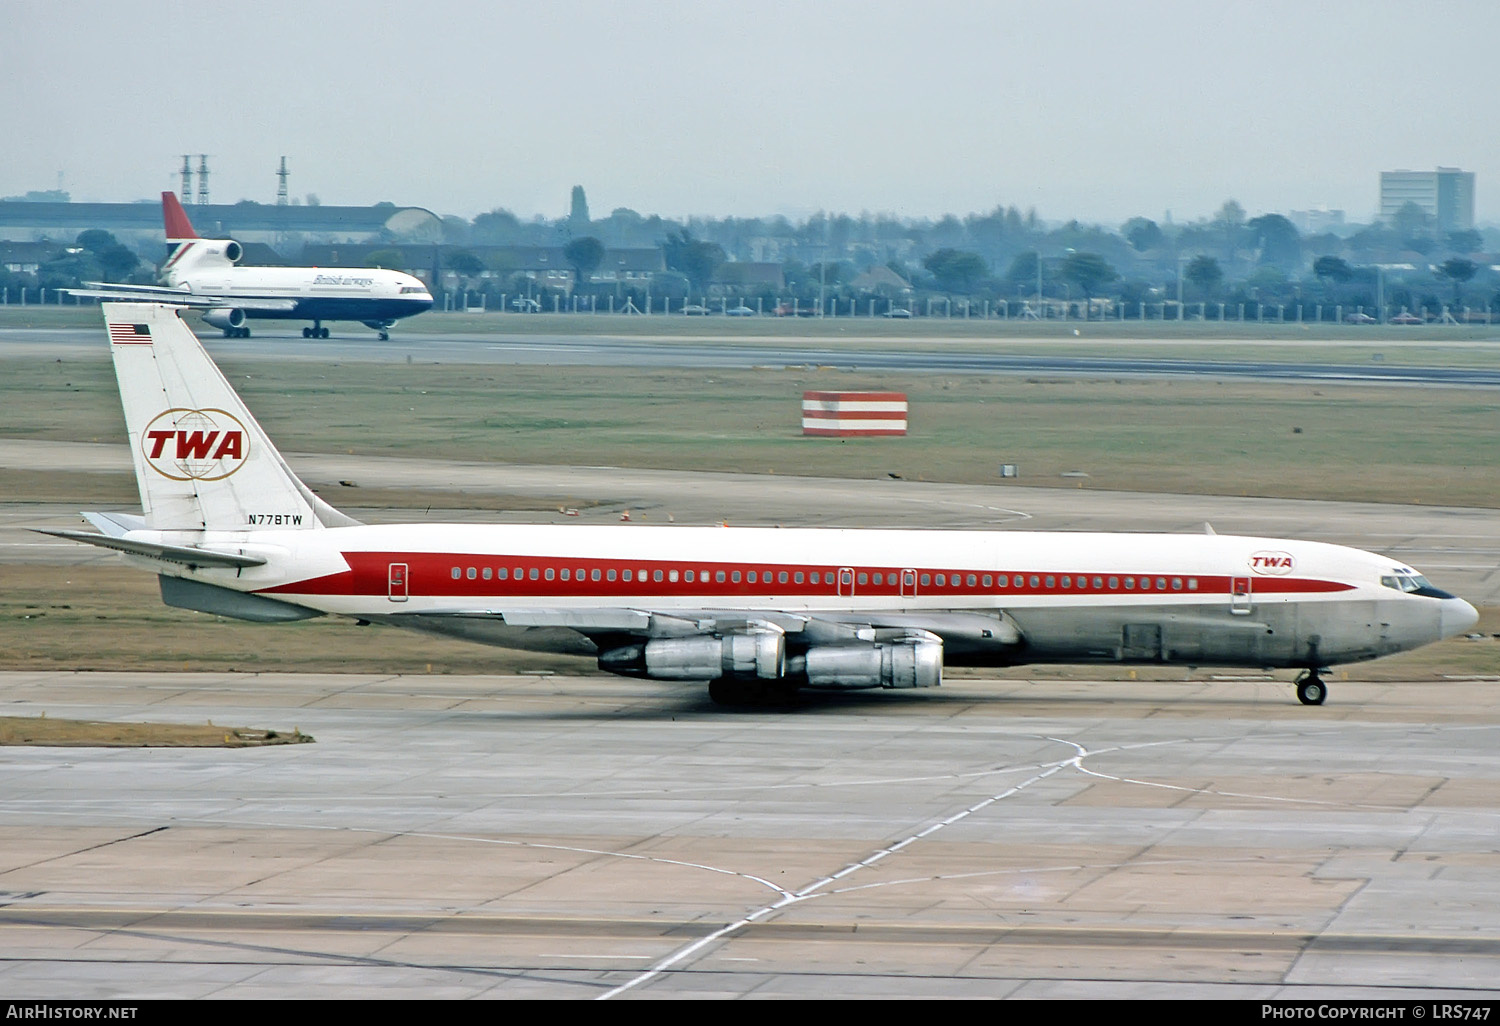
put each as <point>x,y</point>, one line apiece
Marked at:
<point>908,584</point>
<point>396,582</point>
<point>846,581</point>
<point>1239,595</point>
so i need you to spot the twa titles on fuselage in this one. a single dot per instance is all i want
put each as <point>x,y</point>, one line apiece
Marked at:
<point>755,612</point>
<point>204,274</point>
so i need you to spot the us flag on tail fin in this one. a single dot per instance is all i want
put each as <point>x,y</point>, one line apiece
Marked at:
<point>130,334</point>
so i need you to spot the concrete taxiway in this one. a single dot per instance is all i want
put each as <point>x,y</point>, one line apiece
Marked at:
<point>587,837</point>
<point>584,838</point>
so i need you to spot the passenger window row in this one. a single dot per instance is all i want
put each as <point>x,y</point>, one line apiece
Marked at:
<point>1004,582</point>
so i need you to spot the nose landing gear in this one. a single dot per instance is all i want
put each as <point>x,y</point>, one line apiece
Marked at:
<point>1310,688</point>
<point>382,328</point>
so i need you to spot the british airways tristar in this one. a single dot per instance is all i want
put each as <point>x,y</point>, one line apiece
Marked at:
<point>755,612</point>
<point>202,273</point>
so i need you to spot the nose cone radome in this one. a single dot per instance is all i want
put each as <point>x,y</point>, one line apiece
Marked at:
<point>1457,616</point>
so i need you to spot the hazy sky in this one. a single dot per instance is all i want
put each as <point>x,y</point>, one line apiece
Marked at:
<point>1079,108</point>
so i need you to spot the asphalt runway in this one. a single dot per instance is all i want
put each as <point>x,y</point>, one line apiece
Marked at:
<point>562,837</point>
<point>929,355</point>
<point>549,837</point>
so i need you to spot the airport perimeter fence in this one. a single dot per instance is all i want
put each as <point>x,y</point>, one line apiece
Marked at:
<point>942,308</point>
<point>1097,310</point>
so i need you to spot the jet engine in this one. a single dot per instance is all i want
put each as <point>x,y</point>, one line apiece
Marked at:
<point>913,659</point>
<point>893,658</point>
<point>225,318</point>
<point>751,655</point>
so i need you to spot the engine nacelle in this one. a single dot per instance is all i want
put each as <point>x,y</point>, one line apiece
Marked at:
<point>224,318</point>
<point>912,661</point>
<point>754,655</point>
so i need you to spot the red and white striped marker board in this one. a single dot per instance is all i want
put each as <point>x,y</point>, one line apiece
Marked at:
<point>853,413</point>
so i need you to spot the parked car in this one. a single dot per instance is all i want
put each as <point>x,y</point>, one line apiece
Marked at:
<point>1406,317</point>
<point>526,305</point>
<point>1358,318</point>
<point>897,312</point>
<point>694,310</point>
<point>739,311</point>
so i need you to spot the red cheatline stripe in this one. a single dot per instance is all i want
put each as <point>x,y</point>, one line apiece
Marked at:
<point>430,574</point>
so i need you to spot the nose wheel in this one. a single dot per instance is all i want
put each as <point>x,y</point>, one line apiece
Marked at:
<point>1310,688</point>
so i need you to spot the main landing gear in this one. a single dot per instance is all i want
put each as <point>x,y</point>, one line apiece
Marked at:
<point>236,332</point>
<point>726,691</point>
<point>1310,688</point>
<point>316,331</point>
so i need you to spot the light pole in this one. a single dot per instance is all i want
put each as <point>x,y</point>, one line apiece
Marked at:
<point>1181,259</point>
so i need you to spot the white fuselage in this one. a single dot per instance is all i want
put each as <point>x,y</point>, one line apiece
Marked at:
<point>205,267</point>
<point>1213,599</point>
<point>327,294</point>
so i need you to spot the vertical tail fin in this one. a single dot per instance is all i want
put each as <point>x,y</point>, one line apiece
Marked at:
<point>175,219</point>
<point>201,460</point>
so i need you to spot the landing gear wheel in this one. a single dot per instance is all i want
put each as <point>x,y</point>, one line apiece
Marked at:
<point>729,692</point>
<point>1310,689</point>
<point>385,336</point>
<point>323,333</point>
<point>307,333</point>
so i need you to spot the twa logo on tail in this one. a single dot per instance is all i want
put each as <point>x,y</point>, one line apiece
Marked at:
<point>195,445</point>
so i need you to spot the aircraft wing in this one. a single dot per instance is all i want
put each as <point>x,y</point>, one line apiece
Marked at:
<point>178,297</point>
<point>820,628</point>
<point>187,555</point>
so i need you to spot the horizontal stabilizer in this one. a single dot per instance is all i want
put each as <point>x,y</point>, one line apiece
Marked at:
<point>166,296</point>
<point>187,555</point>
<point>116,525</point>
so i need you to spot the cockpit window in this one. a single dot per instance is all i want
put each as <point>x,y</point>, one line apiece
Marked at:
<point>1412,584</point>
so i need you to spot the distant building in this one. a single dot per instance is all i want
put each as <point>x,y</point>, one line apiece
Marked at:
<point>1317,222</point>
<point>22,220</point>
<point>27,257</point>
<point>882,280</point>
<point>1445,195</point>
<point>742,275</point>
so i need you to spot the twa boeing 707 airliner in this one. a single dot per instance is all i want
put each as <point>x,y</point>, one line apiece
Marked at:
<point>756,613</point>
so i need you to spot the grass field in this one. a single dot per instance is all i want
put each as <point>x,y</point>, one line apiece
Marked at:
<point>1434,446</point>
<point>1170,435</point>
